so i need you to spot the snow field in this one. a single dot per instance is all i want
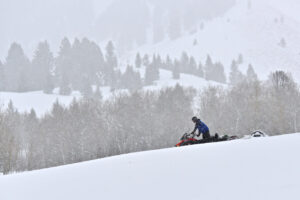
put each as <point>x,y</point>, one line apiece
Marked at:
<point>260,169</point>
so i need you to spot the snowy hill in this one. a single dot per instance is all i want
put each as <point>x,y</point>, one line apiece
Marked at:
<point>257,169</point>
<point>42,103</point>
<point>254,30</point>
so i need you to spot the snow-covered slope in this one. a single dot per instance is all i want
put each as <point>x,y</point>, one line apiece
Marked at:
<point>38,101</point>
<point>255,33</point>
<point>253,30</point>
<point>42,103</point>
<point>257,169</point>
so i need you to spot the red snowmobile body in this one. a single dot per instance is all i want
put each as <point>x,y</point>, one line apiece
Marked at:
<point>186,139</point>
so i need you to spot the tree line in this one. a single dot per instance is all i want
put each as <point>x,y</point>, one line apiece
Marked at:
<point>92,128</point>
<point>128,122</point>
<point>77,66</point>
<point>272,106</point>
<point>84,67</point>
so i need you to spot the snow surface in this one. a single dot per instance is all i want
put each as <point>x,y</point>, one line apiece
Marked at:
<point>186,80</point>
<point>254,33</point>
<point>256,169</point>
<point>42,103</point>
<point>39,101</point>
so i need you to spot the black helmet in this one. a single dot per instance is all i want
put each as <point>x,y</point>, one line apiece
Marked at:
<point>194,119</point>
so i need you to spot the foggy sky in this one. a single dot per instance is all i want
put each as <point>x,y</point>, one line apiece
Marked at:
<point>30,21</point>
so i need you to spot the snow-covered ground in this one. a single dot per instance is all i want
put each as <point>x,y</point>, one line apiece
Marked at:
<point>256,169</point>
<point>42,103</point>
<point>255,33</point>
<point>39,101</point>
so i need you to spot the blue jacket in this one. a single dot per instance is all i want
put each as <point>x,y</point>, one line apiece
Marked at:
<point>201,127</point>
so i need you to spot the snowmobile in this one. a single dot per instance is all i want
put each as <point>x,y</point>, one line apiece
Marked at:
<point>189,139</point>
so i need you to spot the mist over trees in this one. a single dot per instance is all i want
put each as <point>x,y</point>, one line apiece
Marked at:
<point>127,23</point>
<point>92,128</point>
<point>81,65</point>
<point>272,106</point>
<point>168,19</point>
<point>77,66</point>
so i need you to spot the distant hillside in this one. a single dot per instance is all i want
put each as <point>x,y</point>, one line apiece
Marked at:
<point>265,33</point>
<point>140,21</point>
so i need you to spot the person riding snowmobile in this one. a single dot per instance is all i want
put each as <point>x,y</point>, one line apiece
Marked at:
<point>202,128</point>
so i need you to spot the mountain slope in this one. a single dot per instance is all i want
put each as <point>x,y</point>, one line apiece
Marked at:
<point>255,30</point>
<point>42,103</point>
<point>263,168</point>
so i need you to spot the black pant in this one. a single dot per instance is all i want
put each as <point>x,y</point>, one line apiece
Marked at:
<point>206,135</point>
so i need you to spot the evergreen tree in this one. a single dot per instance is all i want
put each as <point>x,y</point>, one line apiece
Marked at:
<point>192,66</point>
<point>215,72</point>
<point>200,71</point>
<point>151,74</point>
<point>16,69</point>
<point>184,62</point>
<point>251,75</point>
<point>219,73</point>
<point>131,80</point>
<point>176,70</point>
<point>42,66</point>
<point>168,63</point>
<point>146,61</point>
<point>111,65</point>
<point>64,87</point>
<point>64,65</point>
<point>154,61</point>
<point>49,84</point>
<point>95,61</point>
<point>159,62</point>
<point>111,58</point>
<point>138,61</point>
<point>77,67</point>
<point>235,76</point>
<point>208,62</point>
<point>209,68</point>
<point>88,61</point>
